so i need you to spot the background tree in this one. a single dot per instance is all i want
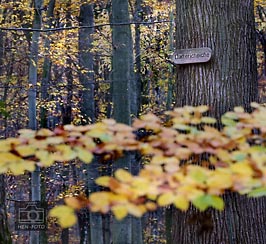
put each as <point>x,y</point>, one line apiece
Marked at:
<point>228,80</point>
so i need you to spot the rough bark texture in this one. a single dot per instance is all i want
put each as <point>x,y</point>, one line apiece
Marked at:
<point>227,27</point>
<point>229,79</point>
<point>124,99</point>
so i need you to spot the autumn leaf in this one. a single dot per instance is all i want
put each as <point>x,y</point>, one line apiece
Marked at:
<point>123,176</point>
<point>208,120</point>
<point>65,215</point>
<point>84,155</point>
<point>258,192</point>
<point>103,181</point>
<point>166,199</point>
<point>120,211</point>
<point>26,150</point>
<point>181,202</point>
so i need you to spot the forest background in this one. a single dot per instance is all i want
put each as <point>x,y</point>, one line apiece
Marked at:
<point>63,82</point>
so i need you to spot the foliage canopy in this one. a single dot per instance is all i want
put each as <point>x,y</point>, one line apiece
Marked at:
<point>232,158</point>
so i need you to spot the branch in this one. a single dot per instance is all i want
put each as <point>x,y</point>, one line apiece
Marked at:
<point>82,27</point>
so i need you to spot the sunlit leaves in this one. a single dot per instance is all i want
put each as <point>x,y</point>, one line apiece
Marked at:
<point>65,215</point>
<point>205,201</point>
<point>84,155</point>
<point>182,166</point>
<point>258,192</point>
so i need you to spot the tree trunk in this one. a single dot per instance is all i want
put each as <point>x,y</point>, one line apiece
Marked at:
<point>4,232</point>
<point>86,75</point>
<point>33,72</point>
<point>124,97</point>
<point>46,72</point>
<point>67,108</point>
<point>91,226</point>
<point>227,80</point>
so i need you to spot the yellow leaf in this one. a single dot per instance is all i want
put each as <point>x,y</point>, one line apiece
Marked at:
<point>64,153</point>
<point>8,157</point>
<point>100,201</point>
<point>242,168</point>
<point>46,159</point>
<point>103,181</point>
<point>44,132</point>
<point>219,179</point>
<point>26,150</point>
<point>73,202</point>
<point>166,199</point>
<point>123,175</point>
<point>17,168</point>
<point>181,203</point>
<point>84,155</point>
<point>29,165</point>
<point>120,211</point>
<point>65,215</point>
<point>136,210</point>
<point>4,146</point>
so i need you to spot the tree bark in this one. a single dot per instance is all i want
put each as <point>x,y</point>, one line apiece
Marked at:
<point>46,72</point>
<point>33,72</point>
<point>86,63</point>
<point>227,80</point>
<point>227,27</point>
<point>124,98</point>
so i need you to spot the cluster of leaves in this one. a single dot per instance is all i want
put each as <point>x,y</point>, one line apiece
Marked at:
<point>190,160</point>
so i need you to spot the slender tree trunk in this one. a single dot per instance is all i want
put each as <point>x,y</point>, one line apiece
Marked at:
<point>86,76</point>
<point>170,92</point>
<point>124,102</point>
<point>46,74</point>
<point>91,228</point>
<point>227,80</point>
<point>67,109</point>
<point>33,69</point>
<point>4,232</point>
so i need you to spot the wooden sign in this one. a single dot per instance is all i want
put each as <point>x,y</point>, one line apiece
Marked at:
<point>192,55</point>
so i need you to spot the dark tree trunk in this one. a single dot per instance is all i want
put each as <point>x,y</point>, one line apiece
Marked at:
<point>227,27</point>
<point>124,94</point>
<point>227,80</point>
<point>46,72</point>
<point>86,63</point>
<point>4,232</point>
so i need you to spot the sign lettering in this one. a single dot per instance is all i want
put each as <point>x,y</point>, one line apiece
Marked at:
<point>192,55</point>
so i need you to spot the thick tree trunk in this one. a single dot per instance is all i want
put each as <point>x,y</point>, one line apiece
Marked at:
<point>227,80</point>
<point>227,27</point>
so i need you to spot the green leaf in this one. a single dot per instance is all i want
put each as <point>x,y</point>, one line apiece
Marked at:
<point>217,202</point>
<point>259,192</point>
<point>208,120</point>
<point>228,122</point>
<point>205,201</point>
<point>202,202</point>
<point>239,156</point>
<point>84,155</point>
<point>182,127</point>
